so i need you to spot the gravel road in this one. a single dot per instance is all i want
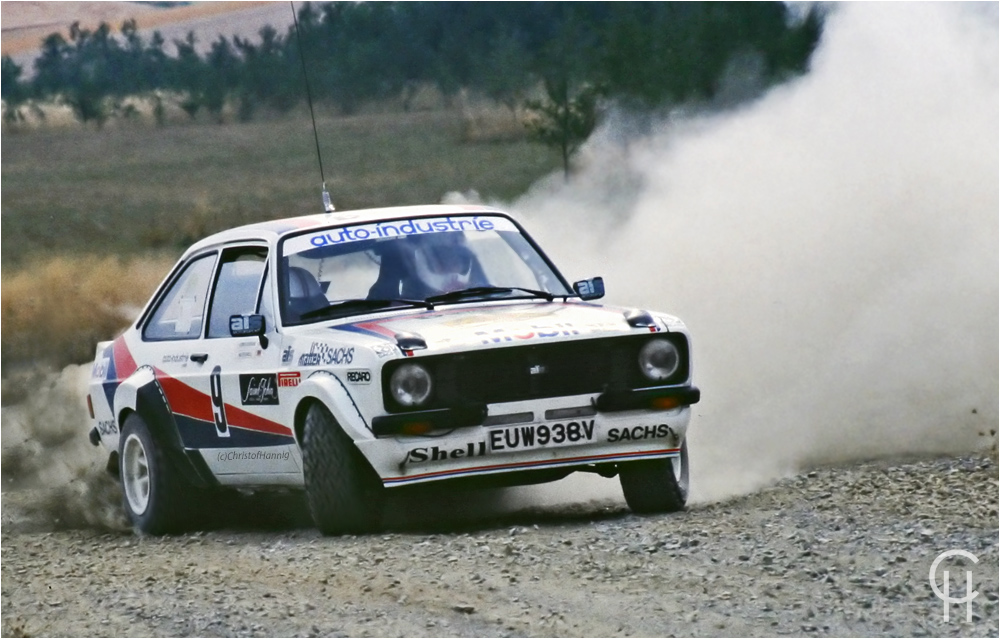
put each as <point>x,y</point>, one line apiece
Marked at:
<point>837,551</point>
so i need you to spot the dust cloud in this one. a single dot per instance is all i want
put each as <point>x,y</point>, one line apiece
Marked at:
<point>49,467</point>
<point>832,246</point>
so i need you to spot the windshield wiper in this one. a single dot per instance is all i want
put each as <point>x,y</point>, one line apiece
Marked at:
<point>347,307</point>
<point>478,291</point>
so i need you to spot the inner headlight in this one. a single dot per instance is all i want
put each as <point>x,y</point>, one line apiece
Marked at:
<point>659,359</point>
<point>410,385</point>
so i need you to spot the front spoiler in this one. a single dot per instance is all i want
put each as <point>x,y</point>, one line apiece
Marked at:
<point>479,451</point>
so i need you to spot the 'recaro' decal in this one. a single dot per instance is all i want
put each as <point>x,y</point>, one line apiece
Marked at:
<point>359,377</point>
<point>259,390</point>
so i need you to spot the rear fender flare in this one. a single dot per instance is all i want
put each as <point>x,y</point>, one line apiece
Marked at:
<point>141,393</point>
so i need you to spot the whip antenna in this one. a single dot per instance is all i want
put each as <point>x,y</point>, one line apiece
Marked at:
<point>327,203</point>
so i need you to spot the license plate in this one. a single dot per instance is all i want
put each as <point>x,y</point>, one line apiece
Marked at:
<point>531,436</point>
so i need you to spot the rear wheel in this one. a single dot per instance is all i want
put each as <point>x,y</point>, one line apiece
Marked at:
<point>154,492</point>
<point>656,485</point>
<point>344,493</point>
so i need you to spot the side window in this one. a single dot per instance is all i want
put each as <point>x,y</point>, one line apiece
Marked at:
<point>236,287</point>
<point>180,314</point>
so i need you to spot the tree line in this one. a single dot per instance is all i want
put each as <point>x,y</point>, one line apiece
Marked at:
<point>644,55</point>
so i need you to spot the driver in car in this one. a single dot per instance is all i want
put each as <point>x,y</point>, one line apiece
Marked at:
<point>421,266</point>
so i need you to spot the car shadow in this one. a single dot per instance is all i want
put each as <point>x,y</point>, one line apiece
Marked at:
<point>427,511</point>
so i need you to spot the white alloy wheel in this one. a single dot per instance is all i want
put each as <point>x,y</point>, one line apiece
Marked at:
<point>135,474</point>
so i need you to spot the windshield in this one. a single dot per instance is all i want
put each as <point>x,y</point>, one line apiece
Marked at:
<point>347,270</point>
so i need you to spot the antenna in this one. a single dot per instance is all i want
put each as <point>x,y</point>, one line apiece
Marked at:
<point>327,203</point>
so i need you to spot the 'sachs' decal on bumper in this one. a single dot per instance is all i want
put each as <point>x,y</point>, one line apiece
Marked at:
<point>640,432</point>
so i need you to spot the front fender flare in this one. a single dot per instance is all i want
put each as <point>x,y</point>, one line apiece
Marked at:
<point>330,390</point>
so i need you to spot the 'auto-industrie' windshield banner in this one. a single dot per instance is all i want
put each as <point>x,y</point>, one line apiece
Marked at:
<point>396,228</point>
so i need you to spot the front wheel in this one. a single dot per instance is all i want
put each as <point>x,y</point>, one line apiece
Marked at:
<point>656,485</point>
<point>344,493</point>
<point>154,492</point>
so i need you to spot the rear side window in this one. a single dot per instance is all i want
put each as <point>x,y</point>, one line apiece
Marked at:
<point>237,287</point>
<point>181,312</point>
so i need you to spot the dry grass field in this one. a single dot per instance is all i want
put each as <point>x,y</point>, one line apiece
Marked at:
<point>76,199</point>
<point>92,219</point>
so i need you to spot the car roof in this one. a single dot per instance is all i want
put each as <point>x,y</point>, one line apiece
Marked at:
<point>273,230</point>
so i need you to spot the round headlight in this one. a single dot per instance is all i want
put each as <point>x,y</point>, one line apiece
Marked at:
<point>410,385</point>
<point>659,359</point>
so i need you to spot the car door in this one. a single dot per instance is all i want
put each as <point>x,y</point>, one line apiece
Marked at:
<point>172,343</point>
<point>222,390</point>
<point>252,438</point>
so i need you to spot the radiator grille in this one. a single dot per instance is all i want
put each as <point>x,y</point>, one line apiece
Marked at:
<point>538,371</point>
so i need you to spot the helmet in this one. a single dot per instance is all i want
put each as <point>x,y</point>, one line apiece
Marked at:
<point>442,262</point>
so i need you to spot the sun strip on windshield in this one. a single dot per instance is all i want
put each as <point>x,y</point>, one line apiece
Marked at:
<point>395,228</point>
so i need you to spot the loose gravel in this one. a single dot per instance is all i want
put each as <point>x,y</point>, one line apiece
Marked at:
<point>838,551</point>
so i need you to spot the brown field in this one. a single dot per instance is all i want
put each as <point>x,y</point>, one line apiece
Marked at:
<point>25,24</point>
<point>92,219</point>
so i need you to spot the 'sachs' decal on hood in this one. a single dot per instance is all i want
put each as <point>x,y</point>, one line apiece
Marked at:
<point>497,324</point>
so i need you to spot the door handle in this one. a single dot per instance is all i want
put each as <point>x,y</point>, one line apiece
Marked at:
<point>201,358</point>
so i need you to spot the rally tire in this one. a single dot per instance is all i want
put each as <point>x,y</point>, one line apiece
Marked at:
<point>156,497</point>
<point>344,493</point>
<point>656,485</point>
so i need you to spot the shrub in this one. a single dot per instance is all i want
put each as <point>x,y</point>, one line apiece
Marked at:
<point>55,312</point>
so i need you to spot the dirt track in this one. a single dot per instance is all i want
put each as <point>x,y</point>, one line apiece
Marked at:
<point>842,551</point>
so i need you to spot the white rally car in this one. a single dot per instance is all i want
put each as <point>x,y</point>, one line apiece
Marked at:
<point>353,353</point>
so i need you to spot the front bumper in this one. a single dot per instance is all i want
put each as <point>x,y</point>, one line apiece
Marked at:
<point>601,430</point>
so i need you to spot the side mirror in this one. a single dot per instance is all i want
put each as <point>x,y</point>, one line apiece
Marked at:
<point>248,326</point>
<point>592,289</point>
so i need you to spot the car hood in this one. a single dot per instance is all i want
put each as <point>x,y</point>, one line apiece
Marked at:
<point>458,328</point>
